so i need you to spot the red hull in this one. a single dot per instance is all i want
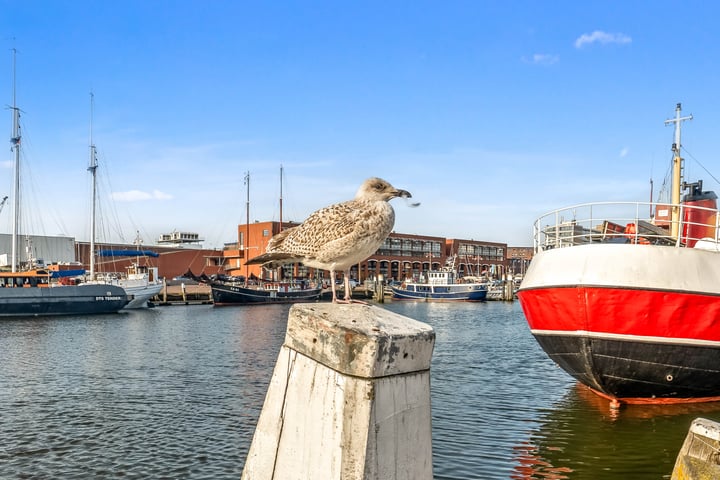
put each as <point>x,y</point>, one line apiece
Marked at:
<point>675,316</point>
<point>635,345</point>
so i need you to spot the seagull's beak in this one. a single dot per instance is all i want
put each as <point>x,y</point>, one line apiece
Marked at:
<point>404,194</point>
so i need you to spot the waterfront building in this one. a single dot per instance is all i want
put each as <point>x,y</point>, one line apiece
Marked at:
<point>519,259</point>
<point>37,250</point>
<point>180,239</point>
<point>400,256</point>
<point>479,258</point>
<point>171,261</point>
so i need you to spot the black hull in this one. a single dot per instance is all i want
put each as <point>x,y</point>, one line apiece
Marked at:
<point>626,369</point>
<point>234,295</point>
<point>403,294</point>
<point>65,300</point>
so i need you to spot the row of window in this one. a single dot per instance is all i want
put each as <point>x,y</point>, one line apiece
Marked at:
<point>485,251</point>
<point>393,243</point>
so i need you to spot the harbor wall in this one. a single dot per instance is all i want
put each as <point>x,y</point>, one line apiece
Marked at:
<point>349,398</point>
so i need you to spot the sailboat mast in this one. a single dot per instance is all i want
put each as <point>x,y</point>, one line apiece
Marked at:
<point>247,227</point>
<point>93,172</point>
<point>15,142</point>
<point>677,169</point>
<point>281,185</point>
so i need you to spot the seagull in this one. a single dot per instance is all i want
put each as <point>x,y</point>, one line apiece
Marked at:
<point>338,236</point>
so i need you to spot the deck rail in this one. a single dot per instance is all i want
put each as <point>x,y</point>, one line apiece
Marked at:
<point>625,222</point>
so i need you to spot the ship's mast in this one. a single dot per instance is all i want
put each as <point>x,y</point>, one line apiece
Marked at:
<point>15,142</point>
<point>281,199</point>
<point>93,172</point>
<point>247,228</point>
<point>677,168</point>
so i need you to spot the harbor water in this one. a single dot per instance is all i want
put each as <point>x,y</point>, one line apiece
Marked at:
<point>174,392</point>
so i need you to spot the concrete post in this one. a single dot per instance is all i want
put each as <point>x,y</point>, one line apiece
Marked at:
<point>698,457</point>
<point>349,398</point>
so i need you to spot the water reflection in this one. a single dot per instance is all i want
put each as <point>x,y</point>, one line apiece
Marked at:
<point>502,409</point>
<point>489,382</point>
<point>582,437</point>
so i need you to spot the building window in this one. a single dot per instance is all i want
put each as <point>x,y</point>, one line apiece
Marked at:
<point>266,232</point>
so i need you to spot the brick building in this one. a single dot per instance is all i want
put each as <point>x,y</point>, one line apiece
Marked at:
<point>171,261</point>
<point>519,259</point>
<point>400,256</point>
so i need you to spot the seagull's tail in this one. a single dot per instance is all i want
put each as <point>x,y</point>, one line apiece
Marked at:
<point>272,258</point>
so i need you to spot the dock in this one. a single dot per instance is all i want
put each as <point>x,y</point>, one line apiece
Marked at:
<point>184,294</point>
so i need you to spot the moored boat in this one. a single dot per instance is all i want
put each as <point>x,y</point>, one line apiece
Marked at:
<point>440,286</point>
<point>141,281</point>
<point>39,292</point>
<point>230,292</point>
<point>625,297</point>
<point>27,290</point>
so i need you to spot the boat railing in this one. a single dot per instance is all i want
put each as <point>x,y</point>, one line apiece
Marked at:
<point>625,222</point>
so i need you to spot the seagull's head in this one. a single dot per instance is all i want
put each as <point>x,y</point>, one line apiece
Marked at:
<point>377,189</point>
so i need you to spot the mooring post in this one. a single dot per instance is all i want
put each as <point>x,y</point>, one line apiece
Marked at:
<point>698,457</point>
<point>349,398</point>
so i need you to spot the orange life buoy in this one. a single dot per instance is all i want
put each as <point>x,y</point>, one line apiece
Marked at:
<point>631,234</point>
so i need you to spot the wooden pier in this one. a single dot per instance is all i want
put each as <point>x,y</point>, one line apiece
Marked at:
<point>184,294</point>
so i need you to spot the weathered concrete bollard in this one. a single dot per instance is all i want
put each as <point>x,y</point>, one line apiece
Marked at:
<point>698,457</point>
<point>349,398</point>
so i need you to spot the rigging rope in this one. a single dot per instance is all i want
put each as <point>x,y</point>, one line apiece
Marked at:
<point>701,165</point>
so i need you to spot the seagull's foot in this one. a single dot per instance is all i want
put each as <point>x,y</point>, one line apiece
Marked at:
<point>350,300</point>
<point>347,301</point>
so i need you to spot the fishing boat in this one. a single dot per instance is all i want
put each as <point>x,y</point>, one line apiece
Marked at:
<point>238,292</point>
<point>28,289</point>
<point>625,297</point>
<point>141,281</point>
<point>244,290</point>
<point>441,285</point>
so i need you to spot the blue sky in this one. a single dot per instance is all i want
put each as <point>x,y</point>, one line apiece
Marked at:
<point>490,112</point>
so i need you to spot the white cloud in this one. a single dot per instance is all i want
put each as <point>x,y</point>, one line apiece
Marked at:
<point>599,36</point>
<point>158,195</point>
<point>624,152</point>
<point>137,195</point>
<point>542,59</point>
<point>7,164</point>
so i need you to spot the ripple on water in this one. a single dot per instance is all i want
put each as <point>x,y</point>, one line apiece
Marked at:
<point>176,392</point>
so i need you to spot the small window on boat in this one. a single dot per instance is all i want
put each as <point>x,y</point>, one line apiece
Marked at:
<point>266,232</point>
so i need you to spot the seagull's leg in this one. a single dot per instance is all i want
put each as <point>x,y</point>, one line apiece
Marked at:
<point>332,286</point>
<point>348,292</point>
<point>346,299</point>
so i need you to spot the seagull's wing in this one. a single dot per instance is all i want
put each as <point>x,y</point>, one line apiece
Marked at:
<point>326,225</point>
